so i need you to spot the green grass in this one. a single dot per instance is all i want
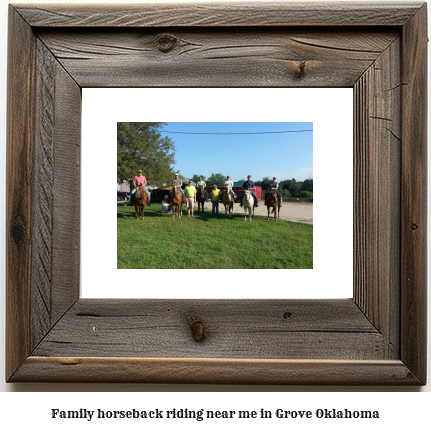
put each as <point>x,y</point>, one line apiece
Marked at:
<point>209,242</point>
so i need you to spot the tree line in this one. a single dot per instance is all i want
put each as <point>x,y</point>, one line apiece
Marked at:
<point>288,188</point>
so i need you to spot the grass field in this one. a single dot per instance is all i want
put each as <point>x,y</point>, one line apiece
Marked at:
<point>209,242</point>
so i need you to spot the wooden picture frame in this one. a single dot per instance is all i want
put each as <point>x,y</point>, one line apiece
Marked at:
<point>378,337</point>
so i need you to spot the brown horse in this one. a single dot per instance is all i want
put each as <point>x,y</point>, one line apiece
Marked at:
<point>201,198</point>
<point>141,199</point>
<point>176,200</point>
<point>271,201</point>
<point>228,201</point>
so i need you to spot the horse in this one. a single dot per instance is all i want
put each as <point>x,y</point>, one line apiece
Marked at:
<point>201,198</point>
<point>176,201</point>
<point>141,199</point>
<point>248,204</point>
<point>228,201</point>
<point>271,201</point>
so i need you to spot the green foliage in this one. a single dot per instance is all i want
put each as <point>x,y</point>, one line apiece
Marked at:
<point>208,242</point>
<point>218,179</point>
<point>307,185</point>
<point>291,186</point>
<point>285,194</point>
<point>304,194</point>
<point>264,183</point>
<point>140,146</point>
<point>195,178</point>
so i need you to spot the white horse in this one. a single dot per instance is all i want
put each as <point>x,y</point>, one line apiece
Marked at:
<point>248,204</point>
<point>228,202</point>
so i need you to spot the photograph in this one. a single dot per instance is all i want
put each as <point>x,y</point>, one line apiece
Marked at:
<point>234,195</point>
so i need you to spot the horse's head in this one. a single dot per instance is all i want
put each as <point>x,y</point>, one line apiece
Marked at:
<point>272,197</point>
<point>175,188</point>
<point>139,192</point>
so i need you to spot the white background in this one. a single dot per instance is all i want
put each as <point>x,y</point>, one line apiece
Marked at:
<point>330,110</point>
<point>401,409</point>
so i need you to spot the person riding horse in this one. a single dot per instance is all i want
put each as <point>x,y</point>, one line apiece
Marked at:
<point>201,183</point>
<point>228,182</point>
<point>140,180</point>
<point>249,185</point>
<point>178,181</point>
<point>274,187</point>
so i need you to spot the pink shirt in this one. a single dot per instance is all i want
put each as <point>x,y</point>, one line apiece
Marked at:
<point>139,181</point>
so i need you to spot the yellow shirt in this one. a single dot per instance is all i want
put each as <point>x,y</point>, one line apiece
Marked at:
<point>190,191</point>
<point>215,194</point>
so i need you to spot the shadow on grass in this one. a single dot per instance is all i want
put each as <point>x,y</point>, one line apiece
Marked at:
<point>131,214</point>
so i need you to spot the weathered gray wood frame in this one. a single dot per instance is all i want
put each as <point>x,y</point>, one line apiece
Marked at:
<point>378,337</point>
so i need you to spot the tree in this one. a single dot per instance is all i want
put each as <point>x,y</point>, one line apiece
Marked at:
<point>218,179</point>
<point>264,183</point>
<point>140,146</point>
<point>195,178</point>
<point>290,185</point>
<point>305,194</point>
<point>307,185</point>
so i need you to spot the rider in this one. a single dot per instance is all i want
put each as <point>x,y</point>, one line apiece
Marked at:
<point>248,185</point>
<point>140,180</point>
<point>178,181</point>
<point>200,183</point>
<point>274,187</point>
<point>228,182</point>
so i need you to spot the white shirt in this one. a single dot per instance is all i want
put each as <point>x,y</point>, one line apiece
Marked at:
<point>228,183</point>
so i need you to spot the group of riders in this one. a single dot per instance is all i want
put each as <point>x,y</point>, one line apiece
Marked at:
<point>140,180</point>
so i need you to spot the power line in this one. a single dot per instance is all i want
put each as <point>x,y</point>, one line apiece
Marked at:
<point>236,133</point>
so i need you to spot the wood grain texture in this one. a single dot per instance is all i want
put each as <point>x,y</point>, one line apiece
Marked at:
<point>215,371</point>
<point>20,170</point>
<point>377,177</point>
<point>234,329</point>
<point>377,338</point>
<point>56,205</point>
<point>219,15</point>
<point>413,194</point>
<point>226,58</point>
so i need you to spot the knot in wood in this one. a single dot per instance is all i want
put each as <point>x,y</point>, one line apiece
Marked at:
<point>167,42</point>
<point>197,327</point>
<point>414,226</point>
<point>299,68</point>
<point>18,233</point>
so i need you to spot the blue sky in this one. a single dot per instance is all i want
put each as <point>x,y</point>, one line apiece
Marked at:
<point>283,155</point>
